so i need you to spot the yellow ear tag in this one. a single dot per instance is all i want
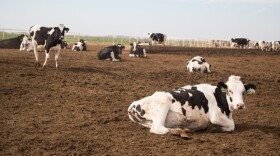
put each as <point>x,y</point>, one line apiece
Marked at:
<point>224,90</point>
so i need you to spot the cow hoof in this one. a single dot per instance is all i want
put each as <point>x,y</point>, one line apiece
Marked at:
<point>37,64</point>
<point>185,136</point>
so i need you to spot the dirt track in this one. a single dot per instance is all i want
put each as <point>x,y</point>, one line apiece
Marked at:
<point>81,109</point>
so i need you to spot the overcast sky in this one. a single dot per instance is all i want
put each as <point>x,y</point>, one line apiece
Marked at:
<point>188,19</point>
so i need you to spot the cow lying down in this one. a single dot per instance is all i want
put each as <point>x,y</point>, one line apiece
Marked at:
<point>198,63</point>
<point>191,107</point>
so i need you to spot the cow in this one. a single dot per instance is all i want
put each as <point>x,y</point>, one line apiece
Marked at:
<point>241,42</point>
<point>26,44</point>
<point>265,45</point>
<point>136,50</point>
<point>12,43</point>
<point>198,63</point>
<point>111,53</point>
<point>64,45</point>
<point>157,38</point>
<point>80,46</point>
<point>253,45</point>
<point>276,46</point>
<point>50,38</point>
<point>191,108</point>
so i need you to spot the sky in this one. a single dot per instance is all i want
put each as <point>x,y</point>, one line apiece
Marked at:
<point>178,19</point>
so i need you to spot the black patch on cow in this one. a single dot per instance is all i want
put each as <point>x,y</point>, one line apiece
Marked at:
<point>184,111</point>
<point>142,112</point>
<point>194,88</point>
<point>138,108</point>
<point>173,100</point>
<point>230,99</point>
<point>199,62</point>
<point>197,98</point>
<point>222,101</point>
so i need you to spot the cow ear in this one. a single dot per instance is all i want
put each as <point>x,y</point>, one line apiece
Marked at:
<point>250,88</point>
<point>66,29</point>
<point>222,86</point>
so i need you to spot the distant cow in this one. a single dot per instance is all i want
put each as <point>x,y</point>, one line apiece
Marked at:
<point>111,53</point>
<point>26,44</point>
<point>241,42</point>
<point>198,63</point>
<point>12,43</point>
<point>64,45</point>
<point>50,38</point>
<point>80,46</point>
<point>265,45</point>
<point>276,46</point>
<point>136,50</point>
<point>191,107</point>
<point>157,38</point>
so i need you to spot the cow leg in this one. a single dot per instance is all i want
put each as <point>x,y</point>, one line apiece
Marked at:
<point>144,52</point>
<point>36,56</point>
<point>56,58</point>
<point>113,57</point>
<point>223,121</point>
<point>46,58</point>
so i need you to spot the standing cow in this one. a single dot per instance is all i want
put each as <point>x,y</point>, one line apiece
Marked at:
<point>191,107</point>
<point>240,42</point>
<point>265,45</point>
<point>157,38</point>
<point>198,63</point>
<point>111,53</point>
<point>50,38</point>
<point>136,50</point>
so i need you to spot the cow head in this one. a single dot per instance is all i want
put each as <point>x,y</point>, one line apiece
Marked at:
<point>120,48</point>
<point>207,67</point>
<point>62,29</point>
<point>133,46</point>
<point>234,89</point>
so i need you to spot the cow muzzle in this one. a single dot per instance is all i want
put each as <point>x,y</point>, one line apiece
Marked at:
<point>240,106</point>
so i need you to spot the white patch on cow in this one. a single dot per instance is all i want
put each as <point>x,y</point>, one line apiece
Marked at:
<point>113,57</point>
<point>145,54</point>
<point>51,31</point>
<point>61,27</point>
<point>134,46</point>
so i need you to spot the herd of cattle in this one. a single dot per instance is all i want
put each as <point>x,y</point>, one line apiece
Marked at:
<point>178,111</point>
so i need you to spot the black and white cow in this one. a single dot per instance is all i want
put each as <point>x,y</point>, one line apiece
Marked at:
<point>198,63</point>
<point>12,43</point>
<point>80,46</point>
<point>240,42</point>
<point>50,38</point>
<point>276,46</point>
<point>191,107</point>
<point>265,45</point>
<point>111,53</point>
<point>157,38</point>
<point>136,50</point>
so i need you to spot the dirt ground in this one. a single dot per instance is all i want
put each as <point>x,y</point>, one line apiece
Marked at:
<point>81,109</point>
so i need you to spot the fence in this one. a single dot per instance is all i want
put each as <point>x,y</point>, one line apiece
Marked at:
<point>114,39</point>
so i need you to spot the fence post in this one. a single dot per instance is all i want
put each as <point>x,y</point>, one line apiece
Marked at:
<point>3,35</point>
<point>113,40</point>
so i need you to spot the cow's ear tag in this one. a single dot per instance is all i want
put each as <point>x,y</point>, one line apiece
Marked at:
<point>224,90</point>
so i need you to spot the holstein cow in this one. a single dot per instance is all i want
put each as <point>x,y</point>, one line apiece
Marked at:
<point>136,50</point>
<point>191,107</point>
<point>26,44</point>
<point>276,46</point>
<point>50,38</point>
<point>80,46</point>
<point>198,63</point>
<point>12,43</point>
<point>157,38</point>
<point>264,45</point>
<point>241,42</point>
<point>111,53</point>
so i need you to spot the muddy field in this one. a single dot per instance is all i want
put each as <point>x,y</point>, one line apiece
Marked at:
<point>81,109</point>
